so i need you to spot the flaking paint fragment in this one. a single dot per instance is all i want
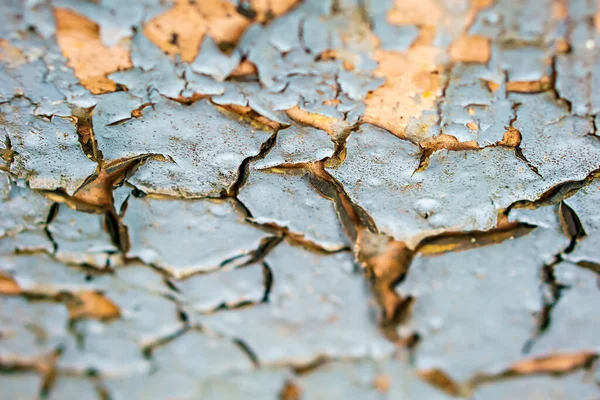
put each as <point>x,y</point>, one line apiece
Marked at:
<point>91,60</point>
<point>23,211</point>
<point>410,206</point>
<point>584,203</point>
<point>446,77</point>
<point>210,229</point>
<point>452,340</point>
<point>289,201</point>
<point>48,155</point>
<point>31,332</point>
<point>224,288</point>
<point>574,320</point>
<point>82,239</point>
<point>296,145</point>
<point>313,294</point>
<point>203,148</point>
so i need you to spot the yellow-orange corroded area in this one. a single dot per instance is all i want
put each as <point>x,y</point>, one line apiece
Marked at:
<point>413,83</point>
<point>414,79</point>
<point>91,60</point>
<point>180,30</point>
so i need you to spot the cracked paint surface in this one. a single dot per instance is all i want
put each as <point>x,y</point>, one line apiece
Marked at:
<point>299,199</point>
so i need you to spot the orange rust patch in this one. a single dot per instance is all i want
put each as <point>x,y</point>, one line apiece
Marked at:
<point>512,138</point>
<point>290,392</point>
<point>8,286</point>
<point>554,363</point>
<point>415,12</point>
<point>250,116</point>
<point>562,45</point>
<point>180,99</point>
<point>471,49</point>
<point>79,41</point>
<point>386,261</point>
<point>180,30</point>
<point>530,86</point>
<point>473,126</point>
<point>559,9</point>
<point>414,79</point>
<point>382,383</point>
<point>267,9</point>
<point>441,380</point>
<point>98,192</point>
<point>319,121</point>
<point>448,142</point>
<point>430,14</point>
<point>481,4</point>
<point>333,102</point>
<point>245,68</point>
<point>92,305</point>
<point>412,85</point>
<point>10,54</point>
<point>524,86</point>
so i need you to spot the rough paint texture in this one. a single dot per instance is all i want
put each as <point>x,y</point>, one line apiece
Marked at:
<point>299,199</point>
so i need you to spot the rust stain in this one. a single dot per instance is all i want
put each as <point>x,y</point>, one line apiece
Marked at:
<point>553,363</point>
<point>79,41</point>
<point>413,84</point>
<point>471,49</point>
<point>290,392</point>
<point>448,142</point>
<point>268,9</point>
<point>250,116</point>
<point>386,262</point>
<point>327,124</point>
<point>382,383</point>
<point>180,30</point>
<point>512,138</point>
<point>8,286</point>
<point>11,54</point>
<point>442,381</point>
<point>542,85</point>
<point>96,191</point>
<point>416,12</point>
<point>461,241</point>
<point>245,68</point>
<point>414,79</point>
<point>92,305</point>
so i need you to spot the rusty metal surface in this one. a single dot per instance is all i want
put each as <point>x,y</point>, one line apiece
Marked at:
<point>299,199</point>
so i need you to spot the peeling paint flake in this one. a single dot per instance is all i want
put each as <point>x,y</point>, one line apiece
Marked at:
<point>584,203</point>
<point>48,153</point>
<point>314,297</point>
<point>213,234</point>
<point>299,199</point>
<point>91,60</point>
<point>290,202</point>
<point>203,150</point>
<point>443,312</point>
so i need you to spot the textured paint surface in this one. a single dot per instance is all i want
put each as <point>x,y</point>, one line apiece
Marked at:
<point>299,199</point>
